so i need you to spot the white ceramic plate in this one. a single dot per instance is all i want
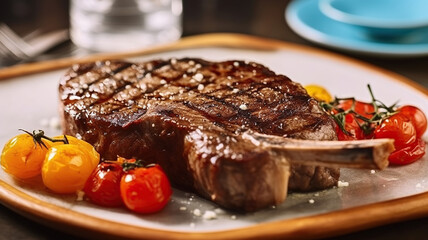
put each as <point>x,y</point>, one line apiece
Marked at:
<point>27,101</point>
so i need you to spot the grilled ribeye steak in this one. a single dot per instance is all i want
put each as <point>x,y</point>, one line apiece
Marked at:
<point>188,115</point>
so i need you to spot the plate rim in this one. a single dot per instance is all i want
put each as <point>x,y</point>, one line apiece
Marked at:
<point>316,226</point>
<point>321,225</point>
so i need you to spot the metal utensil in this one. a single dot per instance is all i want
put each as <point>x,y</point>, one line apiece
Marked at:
<point>14,48</point>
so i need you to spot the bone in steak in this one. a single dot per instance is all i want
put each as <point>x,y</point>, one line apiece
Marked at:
<point>199,121</point>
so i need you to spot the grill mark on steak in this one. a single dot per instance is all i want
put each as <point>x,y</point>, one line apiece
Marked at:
<point>152,89</point>
<point>241,117</point>
<point>164,111</point>
<point>252,121</point>
<point>97,72</point>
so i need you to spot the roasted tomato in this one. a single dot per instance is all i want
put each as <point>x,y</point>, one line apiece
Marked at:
<point>362,108</point>
<point>103,185</point>
<point>66,168</point>
<point>408,154</point>
<point>399,128</point>
<point>23,157</point>
<point>408,146</point>
<point>93,155</point>
<point>417,117</point>
<point>145,190</point>
<point>352,128</point>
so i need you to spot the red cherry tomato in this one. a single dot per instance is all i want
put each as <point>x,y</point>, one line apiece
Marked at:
<point>399,128</point>
<point>408,154</point>
<point>416,116</point>
<point>103,185</point>
<point>353,129</point>
<point>145,190</point>
<point>362,108</point>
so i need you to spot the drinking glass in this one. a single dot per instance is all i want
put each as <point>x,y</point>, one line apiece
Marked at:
<point>122,25</point>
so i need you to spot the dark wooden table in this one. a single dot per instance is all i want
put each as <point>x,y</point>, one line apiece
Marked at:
<point>257,17</point>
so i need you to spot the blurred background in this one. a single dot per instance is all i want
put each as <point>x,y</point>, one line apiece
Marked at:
<point>263,18</point>
<point>198,16</point>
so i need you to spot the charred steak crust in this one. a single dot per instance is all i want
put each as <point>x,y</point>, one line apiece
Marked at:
<point>188,116</point>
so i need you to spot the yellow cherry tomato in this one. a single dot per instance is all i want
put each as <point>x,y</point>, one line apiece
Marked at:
<point>66,168</point>
<point>22,157</point>
<point>93,155</point>
<point>318,92</point>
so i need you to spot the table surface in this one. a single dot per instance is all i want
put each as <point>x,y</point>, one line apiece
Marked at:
<point>256,17</point>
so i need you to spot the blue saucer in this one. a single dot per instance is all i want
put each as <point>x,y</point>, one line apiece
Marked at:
<point>306,19</point>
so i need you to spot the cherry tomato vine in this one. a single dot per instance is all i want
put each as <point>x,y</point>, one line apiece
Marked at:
<point>69,165</point>
<point>361,120</point>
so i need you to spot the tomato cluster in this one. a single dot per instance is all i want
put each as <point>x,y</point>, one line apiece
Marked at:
<point>64,162</point>
<point>140,189</point>
<point>68,165</point>
<point>405,125</point>
<point>358,120</point>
